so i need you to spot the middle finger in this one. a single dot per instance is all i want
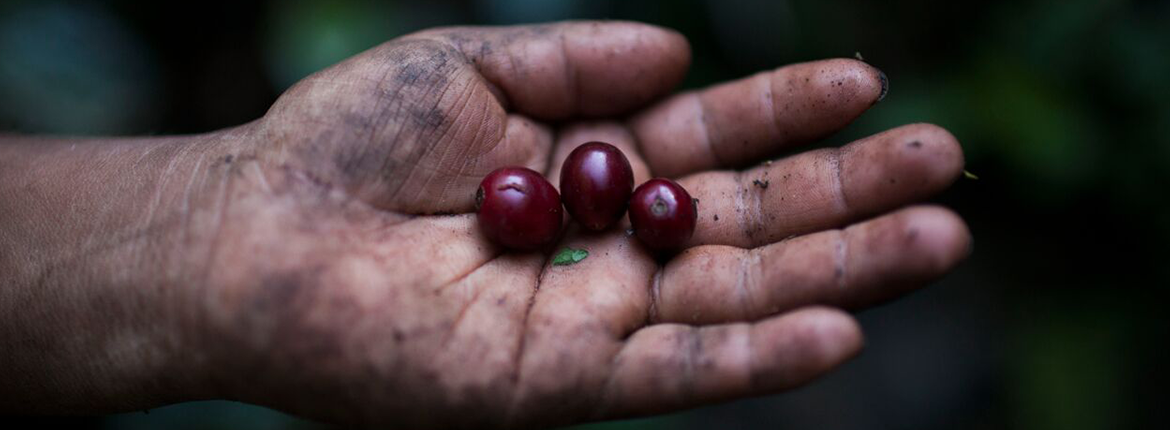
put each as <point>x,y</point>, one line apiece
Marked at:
<point>825,188</point>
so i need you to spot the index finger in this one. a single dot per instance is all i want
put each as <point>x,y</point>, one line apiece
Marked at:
<point>577,68</point>
<point>737,123</point>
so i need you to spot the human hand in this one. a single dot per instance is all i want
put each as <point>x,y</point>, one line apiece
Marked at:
<point>348,281</point>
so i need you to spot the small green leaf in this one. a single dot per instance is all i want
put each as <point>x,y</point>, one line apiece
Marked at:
<point>969,175</point>
<point>569,256</point>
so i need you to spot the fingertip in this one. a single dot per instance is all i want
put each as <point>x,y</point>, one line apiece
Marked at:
<point>872,83</point>
<point>673,45</point>
<point>902,165</point>
<point>941,238</point>
<point>815,99</point>
<point>804,344</point>
<point>858,78</point>
<point>936,148</point>
<point>832,335</point>
<point>678,46</point>
<point>849,85</point>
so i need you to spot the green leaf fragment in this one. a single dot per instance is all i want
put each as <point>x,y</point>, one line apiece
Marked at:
<point>969,175</point>
<point>569,256</point>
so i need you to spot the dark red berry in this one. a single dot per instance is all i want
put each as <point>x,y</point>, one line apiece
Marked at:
<point>663,214</point>
<point>596,182</point>
<point>518,208</point>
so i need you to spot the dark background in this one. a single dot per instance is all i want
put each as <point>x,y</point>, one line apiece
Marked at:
<point>1062,107</point>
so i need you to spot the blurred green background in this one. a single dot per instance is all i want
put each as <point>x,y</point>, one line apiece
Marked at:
<point>1062,107</point>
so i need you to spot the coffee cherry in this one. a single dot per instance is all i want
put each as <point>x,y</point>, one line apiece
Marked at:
<point>518,208</point>
<point>596,182</point>
<point>663,214</point>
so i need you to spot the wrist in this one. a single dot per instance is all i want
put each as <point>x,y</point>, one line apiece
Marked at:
<point>104,244</point>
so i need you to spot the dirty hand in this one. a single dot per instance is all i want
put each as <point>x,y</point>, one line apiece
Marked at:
<point>341,275</point>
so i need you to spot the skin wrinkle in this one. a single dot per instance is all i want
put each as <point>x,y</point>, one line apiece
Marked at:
<point>753,360</point>
<point>512,64</point>
<point>385,75</point>
<point>372,131</point>
<point>402,184</point>
<point>221,197</point>
<point>443,170</point>
<point>102,211</point>
<point>746,332</point>
<point>741,285</point>
<point>463,311</point>
<point>425,135</point>
<point>485,119</point>
<point>777,282</point>
<point>840,265</point>
<point>741,216</point>
<point>385,221</point>
<point>396,138</point>
<point>539,137</point>
<point>150,229</point>
<point>602,402</point>
<point>261,176</point>
<point>459,279</point>
<point>655,296</point>
<point>462,160</point>
<point>778,131</point>
<point>751,221</point>
<point>757,207</point>
<point>185,206</point>
<point>192,313</point>
<point>753,276</point>
<point>572,85</point>
<point>453,78</point>
<point>412,166</point>
<point>693,338</point>
<point>518,356</point>
<point>55,264</point>
<point>150,149</point>
<point>457,113</point>
<point>61,261</point>
<point>835,156</point>
<point>202,315</point>
<point>551,157</point>
<point>708,141</point>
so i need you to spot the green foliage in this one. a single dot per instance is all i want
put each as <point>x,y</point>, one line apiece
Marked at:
<point>1068,367</point>
<point>305,36</point>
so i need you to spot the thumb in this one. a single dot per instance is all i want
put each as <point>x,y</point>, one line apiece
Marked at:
<point>413,125</point>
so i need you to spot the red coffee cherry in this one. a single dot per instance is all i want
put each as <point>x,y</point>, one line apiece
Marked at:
<point>596,183</point>
<point>663,214</point>
<point>518,208</point>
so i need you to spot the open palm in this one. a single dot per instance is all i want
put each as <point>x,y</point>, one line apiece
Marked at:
<point>351,282</point>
